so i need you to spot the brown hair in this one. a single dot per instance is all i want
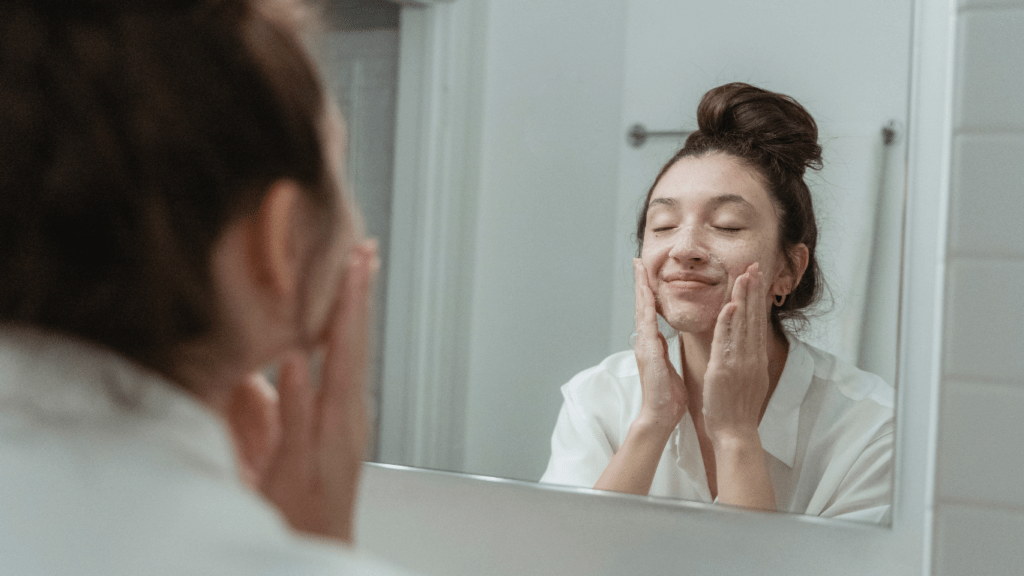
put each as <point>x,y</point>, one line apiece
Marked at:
<point>774,135</point>
<point>131,134</point>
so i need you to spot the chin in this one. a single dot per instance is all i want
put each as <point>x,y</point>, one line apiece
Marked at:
<point>692,321</point>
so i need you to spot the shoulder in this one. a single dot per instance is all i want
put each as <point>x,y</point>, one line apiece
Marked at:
<point>149,518</point>
<point>847,400</point>
<point>851,382</point>
<point>616,371</point>
<point>604,390</point>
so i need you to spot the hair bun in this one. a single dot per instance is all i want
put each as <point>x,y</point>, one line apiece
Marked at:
<point>770,124</point>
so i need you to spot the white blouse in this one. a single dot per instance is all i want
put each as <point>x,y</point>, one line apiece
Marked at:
<point>108,469</point>
<point>827,434</point>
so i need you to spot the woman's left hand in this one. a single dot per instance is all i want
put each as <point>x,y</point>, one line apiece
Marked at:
<point>736,382</point>
<point>735,388</point>
<point>303,446</point>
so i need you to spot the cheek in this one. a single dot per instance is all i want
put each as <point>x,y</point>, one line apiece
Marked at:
<point>738,257</point>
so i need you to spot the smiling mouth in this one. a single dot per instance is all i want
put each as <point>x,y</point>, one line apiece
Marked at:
<point>689,280</point>
<point>689,284</point>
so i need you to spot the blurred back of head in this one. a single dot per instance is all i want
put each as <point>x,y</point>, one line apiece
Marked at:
<point>131,134</point>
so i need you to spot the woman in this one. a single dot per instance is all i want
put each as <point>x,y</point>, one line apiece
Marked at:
<point>175,222</point>
<point>734,409</point>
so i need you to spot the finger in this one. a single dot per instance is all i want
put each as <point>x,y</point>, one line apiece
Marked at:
<point>755,305</point>
<point>295,400</point>
<point>722,341</point>
<point>639,281</point>
<point>759,322</point>
<point>647,317</point>
<point>344,369</point>
<point>650,304</point>
<point>252,415</point>
<point>738,323</point>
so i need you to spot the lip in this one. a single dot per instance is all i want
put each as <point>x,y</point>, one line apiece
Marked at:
<point>687,285</point>
<point>689,280</point>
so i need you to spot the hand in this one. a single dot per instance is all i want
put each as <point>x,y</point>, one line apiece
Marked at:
<point>736,382</point>
<point>311,474</point>
<point>664,394</point>
<point>633,465</point>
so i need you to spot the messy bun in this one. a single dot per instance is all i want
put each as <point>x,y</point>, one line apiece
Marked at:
<point>769,130</point>
<point>774,135</point>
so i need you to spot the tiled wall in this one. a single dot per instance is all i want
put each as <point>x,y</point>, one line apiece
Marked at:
<point>979,489</point>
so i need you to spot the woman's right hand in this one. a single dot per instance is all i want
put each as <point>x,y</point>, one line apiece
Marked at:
<point>635,462</point>
<point>664,394</point>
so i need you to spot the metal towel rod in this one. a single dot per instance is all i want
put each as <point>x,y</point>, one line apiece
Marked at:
<point>638,134</point>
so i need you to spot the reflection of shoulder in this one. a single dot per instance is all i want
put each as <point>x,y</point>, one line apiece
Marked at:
<point>854,383</point>
<point>618,371</point>
<point>849,395</point>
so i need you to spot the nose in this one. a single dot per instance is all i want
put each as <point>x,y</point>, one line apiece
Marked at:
<point>689,246</point>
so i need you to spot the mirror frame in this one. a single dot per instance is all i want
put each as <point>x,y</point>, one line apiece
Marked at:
<point>449,523</point>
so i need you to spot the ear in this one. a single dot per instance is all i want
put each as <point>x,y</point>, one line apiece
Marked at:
<point>276,243</point>
<point>788,278</point>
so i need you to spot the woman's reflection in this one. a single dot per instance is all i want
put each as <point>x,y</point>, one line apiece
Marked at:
<point>735,408</point>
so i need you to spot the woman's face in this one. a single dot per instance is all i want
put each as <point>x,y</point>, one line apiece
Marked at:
<point>708,219</point>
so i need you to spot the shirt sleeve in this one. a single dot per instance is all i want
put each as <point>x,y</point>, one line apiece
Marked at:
<point>865,493</point>
<point>580,448</point>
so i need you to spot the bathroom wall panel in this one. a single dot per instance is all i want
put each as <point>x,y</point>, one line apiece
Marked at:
<point>972,4</point>
<point>978,513</point>
<point>980,429</point>
<point>990,71</point>
<point>984,315</point>
<point>986,196</point>
<point>978,541</point>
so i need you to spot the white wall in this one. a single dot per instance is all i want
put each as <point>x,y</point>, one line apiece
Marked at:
<point>549,153</point>
<point>979,502</point>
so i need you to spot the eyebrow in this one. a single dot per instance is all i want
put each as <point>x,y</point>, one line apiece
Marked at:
<point>719,201</point>
<point>714,203</point>
<point>670,202</point>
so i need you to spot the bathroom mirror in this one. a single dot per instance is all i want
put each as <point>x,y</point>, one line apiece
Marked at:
<point>516,189</point>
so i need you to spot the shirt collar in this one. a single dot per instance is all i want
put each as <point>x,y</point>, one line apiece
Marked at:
<point>778,428</point>
<point>60,381</point>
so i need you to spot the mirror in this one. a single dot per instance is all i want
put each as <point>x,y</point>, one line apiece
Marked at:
<point>541,249</point>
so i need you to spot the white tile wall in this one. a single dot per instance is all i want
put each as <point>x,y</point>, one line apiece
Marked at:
<point>990,71</point>
<point>979,488</point>
<point>976,541</point>
<point>987,196</point>
<point>972,4</point>
<point>981,429</point>
<point>983,319</point>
